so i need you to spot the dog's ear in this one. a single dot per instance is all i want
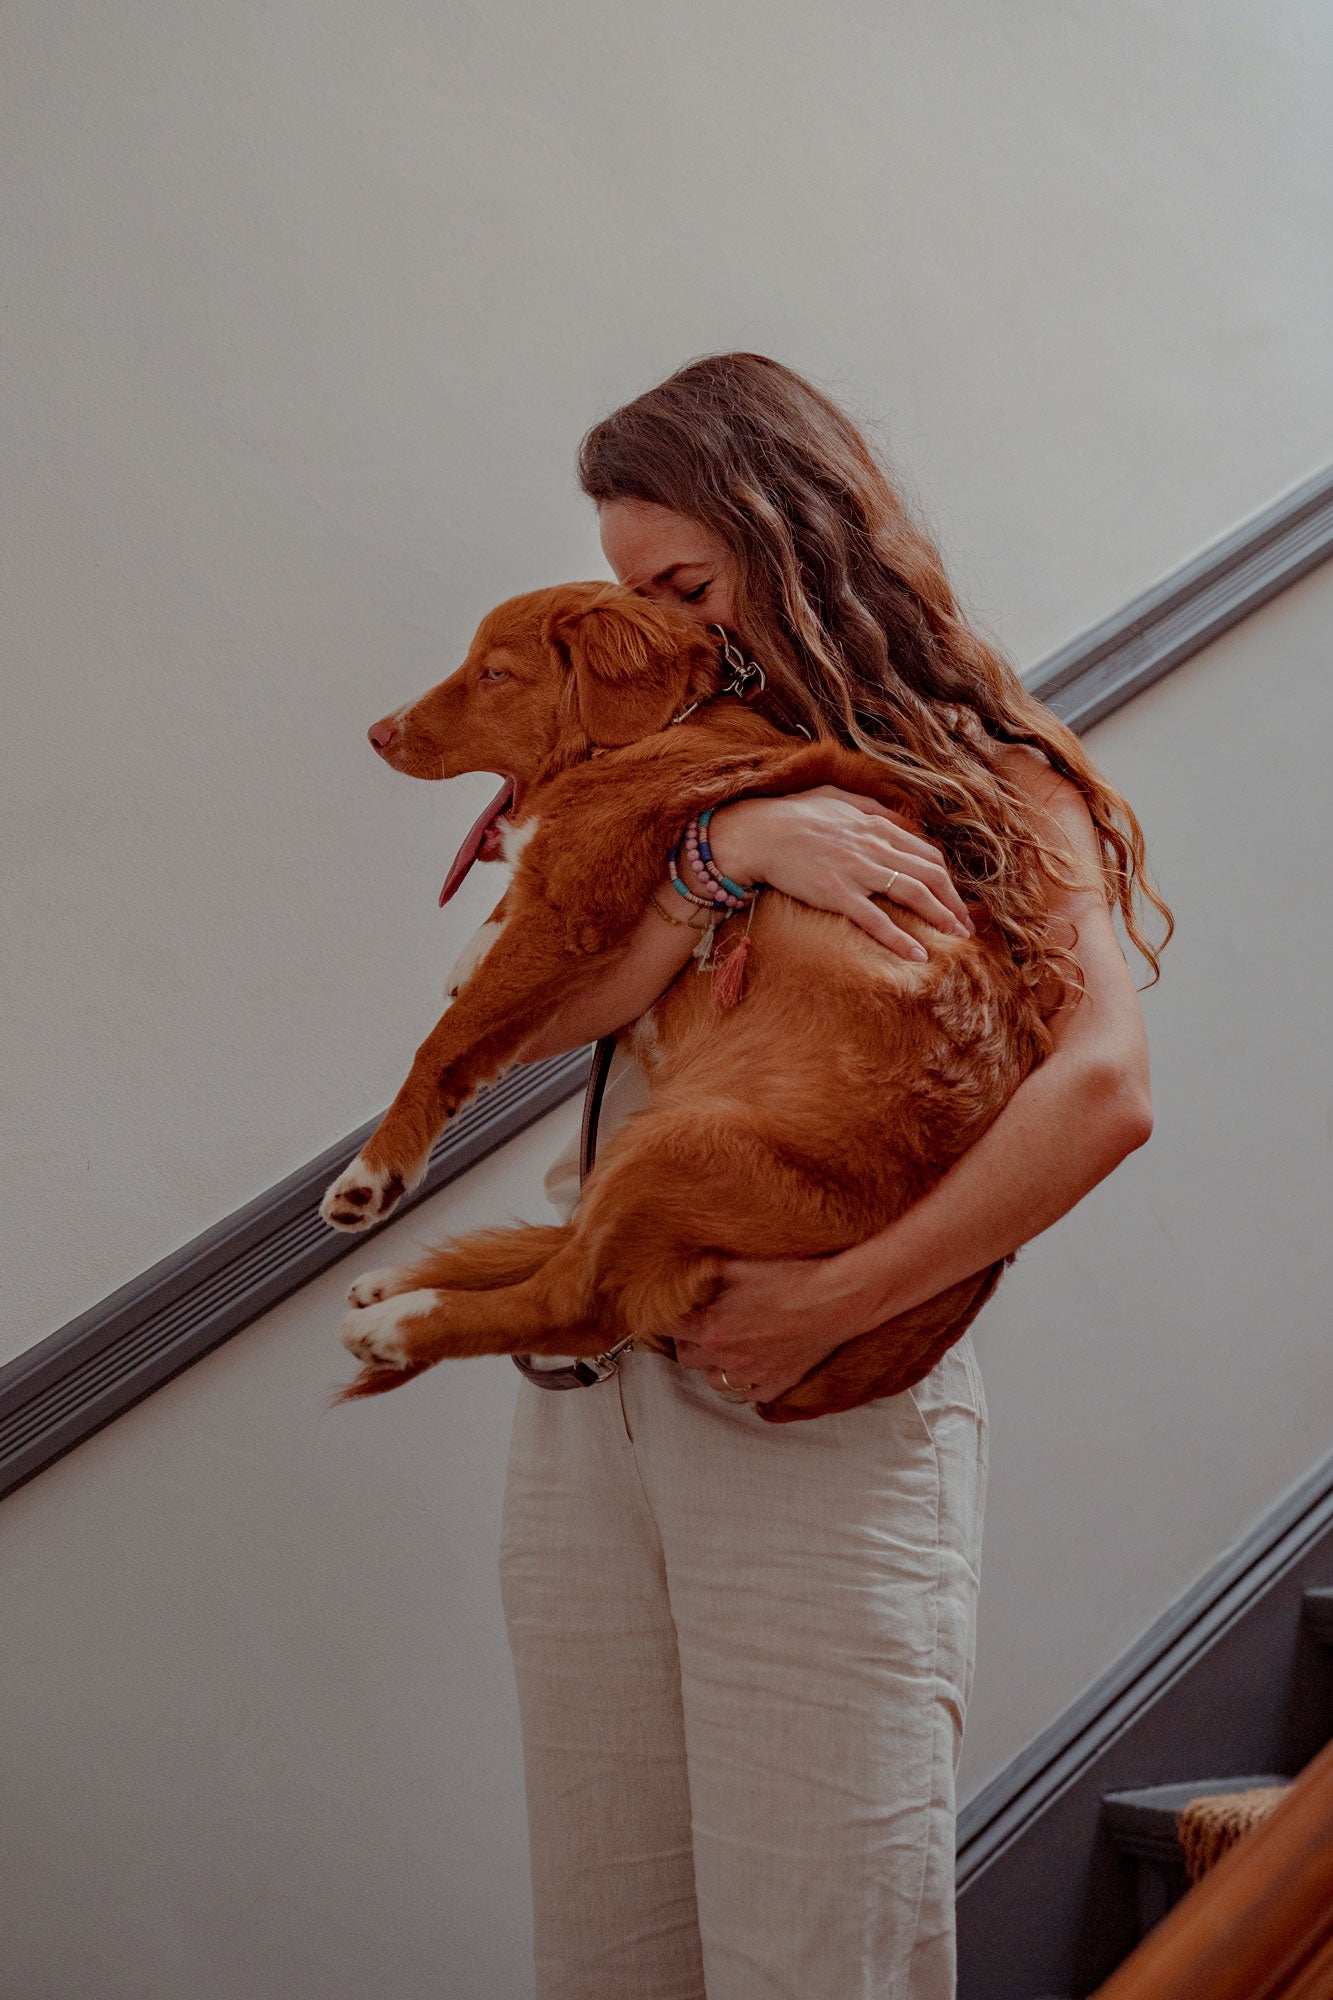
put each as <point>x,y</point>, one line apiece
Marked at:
<point>631,663</point>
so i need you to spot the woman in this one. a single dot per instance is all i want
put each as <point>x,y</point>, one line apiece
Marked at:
<point>744,1652</point>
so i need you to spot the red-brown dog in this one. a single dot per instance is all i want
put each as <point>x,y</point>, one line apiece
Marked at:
<point>796,1123</point>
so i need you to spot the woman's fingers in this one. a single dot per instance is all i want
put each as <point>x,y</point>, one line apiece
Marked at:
<point>839,850</point>
<point>925,887</point>
<point>737,1385</point>
<point>908,853</point>
<point>877,923</point>
<point>928,892</point>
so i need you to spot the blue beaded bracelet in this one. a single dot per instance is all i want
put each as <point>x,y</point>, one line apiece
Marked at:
<point>673,870</point>
<point>711,867</point>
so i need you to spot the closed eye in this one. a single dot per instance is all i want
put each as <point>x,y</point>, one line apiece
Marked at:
<point>693,596</point>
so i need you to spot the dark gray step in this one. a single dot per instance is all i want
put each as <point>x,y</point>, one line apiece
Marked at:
<point>1318,1605</point>
<point>1143,1823</point>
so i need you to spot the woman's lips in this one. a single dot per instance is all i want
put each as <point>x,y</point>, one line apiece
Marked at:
<point>483,842</point>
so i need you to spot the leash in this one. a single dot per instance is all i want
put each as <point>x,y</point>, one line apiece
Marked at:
<point>598,1367</point>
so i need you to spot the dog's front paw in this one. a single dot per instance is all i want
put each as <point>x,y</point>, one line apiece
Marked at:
<point>372,1286</point>
<point>362,1195</point>
<point>380,1335</point>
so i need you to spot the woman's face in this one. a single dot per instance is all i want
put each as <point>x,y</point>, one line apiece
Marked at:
<point>669,557</point>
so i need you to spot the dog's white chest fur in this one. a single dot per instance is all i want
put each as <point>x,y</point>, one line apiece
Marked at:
<point>471,956</point>
<point>513,840</point>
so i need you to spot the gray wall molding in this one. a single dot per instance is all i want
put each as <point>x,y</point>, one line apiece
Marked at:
<point>1230,1678</point>
<point>1108,665</point>
<point>70,1385</point>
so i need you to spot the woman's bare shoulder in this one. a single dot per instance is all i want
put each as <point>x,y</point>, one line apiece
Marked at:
<point>1063,820</point>
<point>1029,769</point>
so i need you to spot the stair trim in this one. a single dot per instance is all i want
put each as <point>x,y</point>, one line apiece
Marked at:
<point>1108,665</point>
<point>1232,1674</point>
<point>1069,1746</point>
<point>66,1388</point>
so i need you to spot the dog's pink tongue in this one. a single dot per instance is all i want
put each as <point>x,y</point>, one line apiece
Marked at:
<point>475,842</point>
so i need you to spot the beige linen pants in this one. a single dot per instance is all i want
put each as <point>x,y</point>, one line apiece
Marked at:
<point>743,1654</point>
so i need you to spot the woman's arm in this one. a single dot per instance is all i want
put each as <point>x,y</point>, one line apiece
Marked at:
<point>625,986</point>
<point>825,847</point>
<point>1065,1128</point>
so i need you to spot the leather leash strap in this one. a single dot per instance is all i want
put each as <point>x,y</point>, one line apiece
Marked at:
<point>598,1367</point>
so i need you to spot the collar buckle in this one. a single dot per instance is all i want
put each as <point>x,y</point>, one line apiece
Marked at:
<point>747,676</point>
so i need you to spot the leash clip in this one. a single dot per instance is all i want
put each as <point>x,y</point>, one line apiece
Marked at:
<point>582,1374</point>
<point>747,676</point>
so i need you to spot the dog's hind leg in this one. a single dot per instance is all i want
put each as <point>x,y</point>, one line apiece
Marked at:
<point>672,1199</point>
<point>465,1301</point>
<point>475,1263</point>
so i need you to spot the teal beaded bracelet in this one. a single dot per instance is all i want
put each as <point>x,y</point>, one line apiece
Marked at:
<point>705,854</point>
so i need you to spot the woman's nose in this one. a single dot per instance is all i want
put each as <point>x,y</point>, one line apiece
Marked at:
<point>383,734</point>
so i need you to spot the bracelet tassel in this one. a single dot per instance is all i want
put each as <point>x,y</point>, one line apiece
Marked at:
<point>728,983</point>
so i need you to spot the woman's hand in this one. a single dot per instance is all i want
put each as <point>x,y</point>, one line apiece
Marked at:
<point>771,1324</point>
<point>836,850</point>
<point>829,848</point>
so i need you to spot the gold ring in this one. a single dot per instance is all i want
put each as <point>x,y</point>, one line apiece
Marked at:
<point>894,873</point>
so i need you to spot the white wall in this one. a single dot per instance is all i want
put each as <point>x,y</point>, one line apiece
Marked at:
<point>306,308</point>
<point>259,1730</point>
<point>261,1741</point>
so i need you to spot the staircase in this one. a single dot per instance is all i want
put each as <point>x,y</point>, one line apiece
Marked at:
<point>1073,1857</point>
<point>1141,1824</point>
<point>1258,1925</point>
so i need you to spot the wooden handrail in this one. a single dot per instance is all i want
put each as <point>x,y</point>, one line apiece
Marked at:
<point>1260,1925</point>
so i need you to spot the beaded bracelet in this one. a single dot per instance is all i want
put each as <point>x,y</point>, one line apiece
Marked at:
<point>681,889</point>
<point>682,923</point>
<point>693,855</point>
<point>725,893</point>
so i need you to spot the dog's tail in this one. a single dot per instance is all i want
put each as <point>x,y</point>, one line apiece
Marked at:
<point>487,1258</point>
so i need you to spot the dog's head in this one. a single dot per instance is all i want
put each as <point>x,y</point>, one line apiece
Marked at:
<point>549,677</point>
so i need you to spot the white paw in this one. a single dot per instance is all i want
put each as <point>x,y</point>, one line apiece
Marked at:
<point>361,1196</point>
<point>372,1286</point>
<point>380,1334</point>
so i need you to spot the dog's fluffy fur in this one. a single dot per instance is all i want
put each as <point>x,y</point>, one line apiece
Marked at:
<point>794,1124</point>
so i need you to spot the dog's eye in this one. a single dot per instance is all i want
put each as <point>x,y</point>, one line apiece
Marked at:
<point>495,674</point>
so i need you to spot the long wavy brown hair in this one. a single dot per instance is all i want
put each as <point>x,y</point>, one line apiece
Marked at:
<point>844,599</point>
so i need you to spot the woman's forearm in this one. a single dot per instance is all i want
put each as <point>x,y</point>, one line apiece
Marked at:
<point>825,848</point>
<point>624,987</point>
<point>1065,1128</point>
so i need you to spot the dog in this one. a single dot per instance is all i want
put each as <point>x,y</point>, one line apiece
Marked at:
<point>793,1124</point>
